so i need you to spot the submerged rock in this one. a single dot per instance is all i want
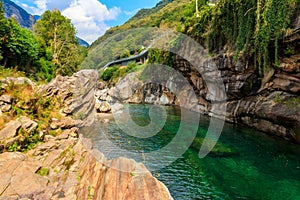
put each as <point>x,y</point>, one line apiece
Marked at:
<point>219,149</point>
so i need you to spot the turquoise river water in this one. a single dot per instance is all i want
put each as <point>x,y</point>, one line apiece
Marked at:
<point>258,167</point>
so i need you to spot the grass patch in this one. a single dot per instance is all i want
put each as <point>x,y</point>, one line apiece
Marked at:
<point>10,72</point>
<point>27,102</point>
<point>43,171</point>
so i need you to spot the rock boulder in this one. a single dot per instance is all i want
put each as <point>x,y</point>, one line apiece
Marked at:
<point>10,130</point>
<point>103,107</point>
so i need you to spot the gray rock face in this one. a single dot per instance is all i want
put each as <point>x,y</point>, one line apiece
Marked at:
<point>287,83</point>
<point>126,88</point>
<point>76,92</point>
<point>5,103</point>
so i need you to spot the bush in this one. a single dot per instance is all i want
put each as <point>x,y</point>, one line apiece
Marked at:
<point>109,72</point>
<point>130,66</point>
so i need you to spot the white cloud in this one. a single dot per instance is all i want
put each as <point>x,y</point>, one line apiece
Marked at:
<point>88,16</point>
<point>41,6</point>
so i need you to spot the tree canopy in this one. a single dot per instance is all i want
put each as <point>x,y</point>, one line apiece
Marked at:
<point>57,33</point>
<point>50,49</point>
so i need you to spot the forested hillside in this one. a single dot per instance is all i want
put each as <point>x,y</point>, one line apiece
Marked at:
<point>254,29</point>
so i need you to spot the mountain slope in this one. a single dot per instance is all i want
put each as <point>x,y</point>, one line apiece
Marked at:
<point>82,42</point>
<point>167,13</point>
<point>11,9</point>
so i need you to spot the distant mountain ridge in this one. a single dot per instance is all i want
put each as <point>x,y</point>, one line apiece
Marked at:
<point>82,42</point>
<point>25,19</point>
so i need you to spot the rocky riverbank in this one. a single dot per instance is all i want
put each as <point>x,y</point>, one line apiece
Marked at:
<point>270,103</point>
<point>50,159</point>
<point>273,108</point>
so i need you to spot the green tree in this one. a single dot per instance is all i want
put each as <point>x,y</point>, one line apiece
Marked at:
<point>57,33</point>
<point>18,46</point>
<point>3,30</point>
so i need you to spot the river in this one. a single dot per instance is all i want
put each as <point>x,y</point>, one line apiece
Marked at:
<point>258,166</point>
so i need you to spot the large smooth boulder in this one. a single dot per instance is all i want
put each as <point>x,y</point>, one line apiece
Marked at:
<point>125,88</point>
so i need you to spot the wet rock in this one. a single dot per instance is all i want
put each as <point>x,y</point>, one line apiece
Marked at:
<point>10,130</point>
<point>219,149</point>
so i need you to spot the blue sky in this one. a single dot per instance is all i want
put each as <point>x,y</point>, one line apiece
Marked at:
<point>90,17</point>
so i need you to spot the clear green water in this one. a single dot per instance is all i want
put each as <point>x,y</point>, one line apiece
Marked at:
<point>261,167</point>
